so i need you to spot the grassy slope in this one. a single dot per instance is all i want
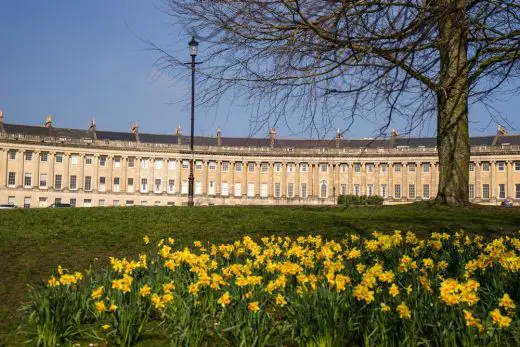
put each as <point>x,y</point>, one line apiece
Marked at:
<point>33,242</point>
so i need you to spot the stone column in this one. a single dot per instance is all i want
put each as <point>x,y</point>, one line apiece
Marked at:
<point>418,182</point>
<point>297,180</point>
<point>178,184</point>
<point>478,183</point>
<point>231,186</point>
<point>492,188</point>
<point>110,175</point>
<point>404,180</point>
<point>244,181</point>
<point>258,172</point>
<point>390,184</point>
<point>205,182</point>
<point>377,184</point>
<point>284,180</point>
<point>363,190</point>
<point>509,184</point>
<point>350,178</point>
<point>123,184</point>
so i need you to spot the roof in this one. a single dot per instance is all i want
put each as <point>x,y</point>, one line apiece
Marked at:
<point>248,141</point>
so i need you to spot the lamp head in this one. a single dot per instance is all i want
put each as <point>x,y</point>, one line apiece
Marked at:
<point>193,46</point>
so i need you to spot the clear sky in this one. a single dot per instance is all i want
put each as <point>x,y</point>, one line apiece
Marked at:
<point>79,60</point>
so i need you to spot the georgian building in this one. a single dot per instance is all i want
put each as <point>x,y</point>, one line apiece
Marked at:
<point>41,165</point>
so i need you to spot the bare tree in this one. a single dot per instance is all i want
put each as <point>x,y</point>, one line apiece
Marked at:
<point>409,58</point>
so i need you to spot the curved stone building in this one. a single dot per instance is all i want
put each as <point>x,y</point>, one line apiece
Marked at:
<point>41,165</point>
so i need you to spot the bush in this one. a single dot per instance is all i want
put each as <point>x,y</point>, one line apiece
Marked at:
<point>349,200</point>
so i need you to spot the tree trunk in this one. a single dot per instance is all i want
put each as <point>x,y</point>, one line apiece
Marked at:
<point>452,101</point>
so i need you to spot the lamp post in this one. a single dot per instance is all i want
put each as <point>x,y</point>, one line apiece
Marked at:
<point>193,44</point>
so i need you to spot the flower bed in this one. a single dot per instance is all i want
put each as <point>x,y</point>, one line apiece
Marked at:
<point>388,289</point>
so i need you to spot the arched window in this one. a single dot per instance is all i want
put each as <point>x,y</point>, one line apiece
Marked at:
<point>323,190</point>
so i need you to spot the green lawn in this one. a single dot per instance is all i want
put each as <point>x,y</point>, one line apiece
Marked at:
<point>33,242</point>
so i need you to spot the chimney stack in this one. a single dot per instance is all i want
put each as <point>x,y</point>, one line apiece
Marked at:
<point>219,137</point>
<point>393,137</point>
<point>272,136</point>
<point>92,129</point>
<point>501,131</point>
<point>48,121</point>
<point>135,131</point>
<point>1,121</point>
<point>178,133</point>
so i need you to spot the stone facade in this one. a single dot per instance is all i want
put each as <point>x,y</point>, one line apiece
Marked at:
<point>43,165</point>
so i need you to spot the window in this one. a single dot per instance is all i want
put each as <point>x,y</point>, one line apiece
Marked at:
<point>44,157</point>
<point>426,191</point>
<point>171,203</point>
<point>28,156</point>
<point>517,193</point>
<point>370,189</point>
<point>250,190</point>
<point>263,167</point>
<point>277,167</point>
<point>184,187</point>
<point>501,166</point>
<point>198,165</point>
<point>290,190</point>
<point>384,168</point>
<point>426,167</point>
<point>117,161</point>
<point>343,189</point>
<point>157,203</point>
<point>101,203</point>
<point>411,191</point>
<point>144,202</point>
<point>238,167</point>
<point>12,155</point>
<point>357,189</point>
<point>131,162</point>
<point>383,191</point>
<point>42,201</point>
<point>263,190</point>
<point>225,166</point>
<point>370,167</point>
<point>144,163</point>
<point>88,160</point>
<point>88,183</point>
<point>357,168</point>
<point>103,161</point>
<point>304,167</point>
<point>130,184</point>
<point>198,188</point>
<point>324,167</point>
<point>11,179</point>
<point>158,164</point>
<point>27,202</point>
<point>73,182</point>
<point>251,167</point>
<point>171,165</point>
<point>171,186</point>
<point>397,191</point>
<point>87,202</point>
<point>304,190</point>
<point>58,180</point>
<point>129,203</point>
<point>471,167</point>
<point>290,167</point>
<point>343,168</point>
<point>225,189</point>
<point>102,182</point>
<point>144,185</point>
<point>74,159</point>
<point>323,189</point>
<point>485,166</point>
<point>238,189</point>
<point>277,190</point>
<point>517,165</point>
<point>27,180</point>
<point>157,187</point>
<point>115,185</point>
<point>185,164</point>
<point>11,200</point>
<point>211,188</point>
<point>59,158</point>
<point>43,181</point>
<point>72,202</point>
<point>411,167</point>
<point>57,200</point>
<point>397,167</point>
<point>485,191</point>
<point>212,166</point>
<point>501,191</point>
<point>471,191</point>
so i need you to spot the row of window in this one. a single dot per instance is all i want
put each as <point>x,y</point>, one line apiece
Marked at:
<point>43,202</point>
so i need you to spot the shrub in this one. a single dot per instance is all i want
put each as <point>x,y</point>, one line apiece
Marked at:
<point>348,200</point>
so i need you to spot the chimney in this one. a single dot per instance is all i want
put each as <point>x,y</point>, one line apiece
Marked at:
<point>272,136</point>
<point>501,131</point>
<point>1,121</point>
<point>135,131</point>
<point>219,137</point>
<point>393,138</point>
<point>339,137</point>
<point>92,129</point>
<point>178,133</point>
<point>48,121</point>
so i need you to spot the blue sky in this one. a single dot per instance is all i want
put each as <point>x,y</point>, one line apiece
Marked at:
<point>79,60</point>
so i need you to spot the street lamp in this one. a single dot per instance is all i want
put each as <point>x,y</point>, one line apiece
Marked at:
<point>193,44</point>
